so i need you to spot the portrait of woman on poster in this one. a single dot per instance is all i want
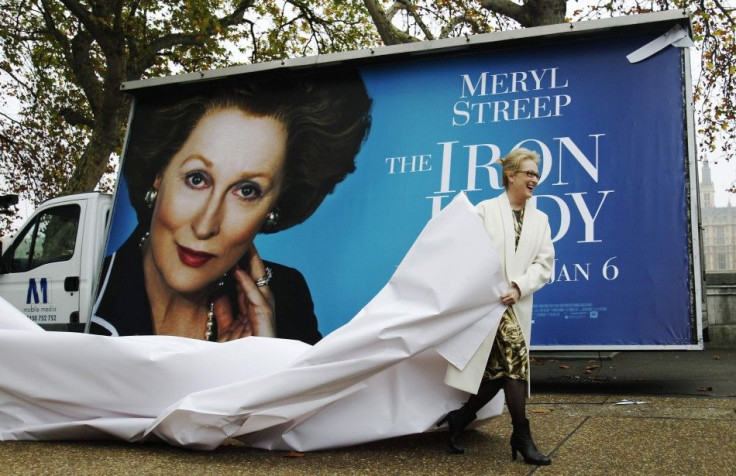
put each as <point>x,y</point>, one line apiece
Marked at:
<point>207,170</point>
<point>521,236</point>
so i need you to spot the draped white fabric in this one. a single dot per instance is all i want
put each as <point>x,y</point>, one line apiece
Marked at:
<point>379,376</point>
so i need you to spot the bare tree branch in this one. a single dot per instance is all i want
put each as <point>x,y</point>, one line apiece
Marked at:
<point>531,13</point>
<point>390,35</point>
<point>504,7</point>
<point>413,12</point>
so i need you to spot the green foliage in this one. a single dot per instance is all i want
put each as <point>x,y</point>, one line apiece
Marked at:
<point>62,62</point>
<point>714,68</point>
<point>713,25</point>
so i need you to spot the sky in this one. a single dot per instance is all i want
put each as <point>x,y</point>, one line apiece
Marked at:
<point>723,172</point>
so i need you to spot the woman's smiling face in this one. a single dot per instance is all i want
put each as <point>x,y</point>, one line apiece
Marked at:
<point>213,197</point>
<point>521,185</point>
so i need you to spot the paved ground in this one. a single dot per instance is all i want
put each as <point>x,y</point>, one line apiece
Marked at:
<point>594,414</point>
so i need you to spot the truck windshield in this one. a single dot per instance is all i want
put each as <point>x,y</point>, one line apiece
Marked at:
<point>50,237</point>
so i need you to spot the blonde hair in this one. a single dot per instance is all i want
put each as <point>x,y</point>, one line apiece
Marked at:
<point>512,162</point>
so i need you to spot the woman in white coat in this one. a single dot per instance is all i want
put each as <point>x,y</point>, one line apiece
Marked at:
<point>522,238</point>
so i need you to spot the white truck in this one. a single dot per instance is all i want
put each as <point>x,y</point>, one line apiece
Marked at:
<point>592,98</point>
<point>49,270</point>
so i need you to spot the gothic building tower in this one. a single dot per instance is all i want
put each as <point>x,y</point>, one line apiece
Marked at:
<point>719,223</point>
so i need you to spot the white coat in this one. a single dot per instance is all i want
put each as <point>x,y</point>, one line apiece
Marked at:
<point>529,266</point>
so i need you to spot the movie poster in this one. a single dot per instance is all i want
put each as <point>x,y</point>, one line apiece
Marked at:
<point>612,137</point>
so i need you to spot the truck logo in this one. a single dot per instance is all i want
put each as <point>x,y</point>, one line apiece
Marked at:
<point>33,291</point>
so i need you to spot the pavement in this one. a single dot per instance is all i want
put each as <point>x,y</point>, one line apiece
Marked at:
<point>614,413</point>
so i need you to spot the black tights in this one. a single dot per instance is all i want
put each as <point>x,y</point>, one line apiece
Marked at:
<point>515,391</point>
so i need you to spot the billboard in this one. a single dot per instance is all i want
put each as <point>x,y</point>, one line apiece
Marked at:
<point>615,142</point>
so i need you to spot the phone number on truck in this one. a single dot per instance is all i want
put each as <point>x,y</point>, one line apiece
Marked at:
<point>43,318</point>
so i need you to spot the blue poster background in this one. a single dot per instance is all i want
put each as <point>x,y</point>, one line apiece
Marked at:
<point>624,283</point>
<point>612,138</point>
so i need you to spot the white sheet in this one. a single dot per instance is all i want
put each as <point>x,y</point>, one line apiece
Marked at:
<point>379,376</point>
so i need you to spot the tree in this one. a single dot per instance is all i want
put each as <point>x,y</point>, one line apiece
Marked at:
<point>713,21</point>
<point>63,62</point>
<point>454,17</point>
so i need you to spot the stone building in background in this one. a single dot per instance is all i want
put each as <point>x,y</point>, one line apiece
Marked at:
<point>719,229</point>
<point>719,255</point>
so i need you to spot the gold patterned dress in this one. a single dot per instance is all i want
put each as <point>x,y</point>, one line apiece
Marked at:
<point>509,356</point>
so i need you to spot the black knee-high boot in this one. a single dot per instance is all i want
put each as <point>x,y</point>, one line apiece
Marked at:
<point>458,419</point>
<point>521,438</point>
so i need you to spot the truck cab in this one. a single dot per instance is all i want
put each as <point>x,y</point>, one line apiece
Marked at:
<point>49,270</point>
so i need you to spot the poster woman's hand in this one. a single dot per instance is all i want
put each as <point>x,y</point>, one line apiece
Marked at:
<point>256,308</point>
